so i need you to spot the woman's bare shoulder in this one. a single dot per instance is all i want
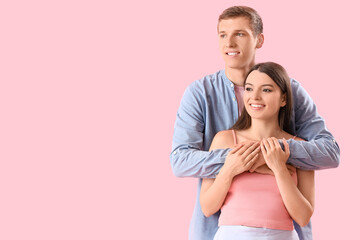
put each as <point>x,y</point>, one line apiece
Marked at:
<point>223,139</point>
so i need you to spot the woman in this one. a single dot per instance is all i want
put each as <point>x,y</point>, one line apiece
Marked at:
<point>253,205</point>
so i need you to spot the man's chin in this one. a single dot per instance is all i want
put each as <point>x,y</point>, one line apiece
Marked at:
<point>235,66</point>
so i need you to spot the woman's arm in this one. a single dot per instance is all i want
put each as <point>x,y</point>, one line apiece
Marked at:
<point>298,200</point>
<point>213,191</point>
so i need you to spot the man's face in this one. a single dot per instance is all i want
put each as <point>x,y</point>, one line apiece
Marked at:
<point>237,42</point>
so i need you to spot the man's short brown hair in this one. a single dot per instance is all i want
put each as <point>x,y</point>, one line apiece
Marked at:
<point>243,11</point>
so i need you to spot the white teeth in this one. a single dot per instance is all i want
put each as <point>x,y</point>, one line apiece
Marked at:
<point>232,53</point>
<point>256,105</point>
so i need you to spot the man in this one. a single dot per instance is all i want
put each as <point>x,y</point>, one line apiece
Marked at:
<point>212,104</point>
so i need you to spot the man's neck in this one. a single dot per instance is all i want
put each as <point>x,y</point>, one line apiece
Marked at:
<point>237,75</point>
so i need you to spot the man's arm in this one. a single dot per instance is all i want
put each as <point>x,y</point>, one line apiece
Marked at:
<point>188,157</point>
<point>320,150</point>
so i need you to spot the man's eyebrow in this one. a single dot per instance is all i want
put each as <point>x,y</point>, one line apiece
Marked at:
<point>240,30</point>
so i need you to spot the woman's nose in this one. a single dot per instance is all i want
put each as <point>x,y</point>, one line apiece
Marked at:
<point>256,95</point>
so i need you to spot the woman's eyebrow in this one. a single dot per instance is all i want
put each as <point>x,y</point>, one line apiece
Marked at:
<point>267,85</point>
<point>264,85</point>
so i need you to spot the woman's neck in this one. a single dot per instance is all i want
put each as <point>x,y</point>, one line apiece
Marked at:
<point>264,129</point>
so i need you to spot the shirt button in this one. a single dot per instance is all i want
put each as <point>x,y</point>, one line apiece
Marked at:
<point>234,99</point>
<point>232,85</point>
<point>175,153</point>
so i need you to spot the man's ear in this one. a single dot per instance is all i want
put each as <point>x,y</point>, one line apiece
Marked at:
<point>260,40</point>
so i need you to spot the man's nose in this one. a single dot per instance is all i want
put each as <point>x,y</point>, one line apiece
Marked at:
<point>230,42</point>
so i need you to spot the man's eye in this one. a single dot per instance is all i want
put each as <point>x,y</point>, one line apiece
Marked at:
<point>222,35</point>
<point>240,34</point>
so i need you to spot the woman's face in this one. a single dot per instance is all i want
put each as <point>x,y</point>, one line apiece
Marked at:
<point>262,96</point>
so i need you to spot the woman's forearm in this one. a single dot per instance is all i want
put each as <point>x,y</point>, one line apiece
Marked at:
<point>299,208</point>
<point>213,192</point>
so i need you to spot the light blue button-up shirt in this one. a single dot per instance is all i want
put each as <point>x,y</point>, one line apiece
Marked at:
<point>208,106</point>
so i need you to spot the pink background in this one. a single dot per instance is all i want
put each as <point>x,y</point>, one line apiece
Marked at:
<point>88,98</point>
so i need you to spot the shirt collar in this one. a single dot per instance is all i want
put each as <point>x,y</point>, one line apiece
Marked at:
<point>225,78</point>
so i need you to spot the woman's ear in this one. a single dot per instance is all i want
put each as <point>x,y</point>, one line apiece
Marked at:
<point>283,100</point>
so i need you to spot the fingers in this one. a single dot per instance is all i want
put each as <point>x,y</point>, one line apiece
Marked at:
<point>251,153</point>
<point>266,145</point>
<point>286,147</point>
<point>252,160</point>
<point>271,143</point>
<point>253,148</point>
<point>247,148</point>
<point>248,154</point>
<point>263,148</point>
<point>236,148</point>
<point>276,142</point>
<point>256,165</point>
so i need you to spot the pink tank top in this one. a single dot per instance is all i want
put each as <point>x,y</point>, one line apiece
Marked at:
<point>254,200</point>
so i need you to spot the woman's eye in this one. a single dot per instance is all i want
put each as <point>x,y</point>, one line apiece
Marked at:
<point>267,90</point>
<point>248,89</point>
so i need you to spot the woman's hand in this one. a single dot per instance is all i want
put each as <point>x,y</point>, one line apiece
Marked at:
<point>274,156</point>
<point>264,169</point>
<point>240,159</point>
